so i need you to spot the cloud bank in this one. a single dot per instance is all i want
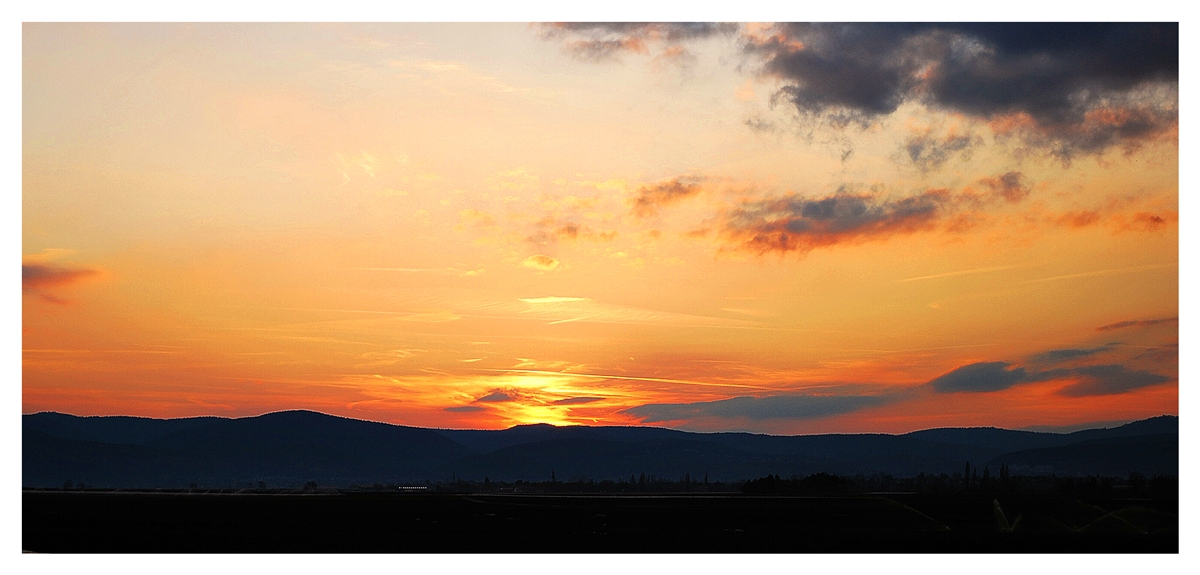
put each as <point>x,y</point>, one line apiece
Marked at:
<point>1067,87</point>
<point>757,408</point>
<point>1089,380</point>
<point>798,224</point>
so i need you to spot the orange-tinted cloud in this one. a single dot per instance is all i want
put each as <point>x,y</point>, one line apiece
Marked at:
<point>540,262</point>
<point>1077,219</point>
<point>1009,186</point>
<point>551,230</point>
<point>1115,219</point>
<point>651,197</point>
<point>1146,221</point>
<point>41,278</point>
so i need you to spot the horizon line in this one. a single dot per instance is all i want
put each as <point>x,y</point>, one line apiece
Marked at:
<point>1028,429</point>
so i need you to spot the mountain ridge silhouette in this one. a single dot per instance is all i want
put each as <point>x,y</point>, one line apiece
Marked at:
<point>292,447</point>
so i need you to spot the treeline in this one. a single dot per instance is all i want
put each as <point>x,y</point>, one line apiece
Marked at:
<point>1135,485</point>
<point>971,481</point>
<point>642,483</point>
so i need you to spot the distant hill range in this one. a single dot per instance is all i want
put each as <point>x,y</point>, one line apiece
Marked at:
<point>290,448</point>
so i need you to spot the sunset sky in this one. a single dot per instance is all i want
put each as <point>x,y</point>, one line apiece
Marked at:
<point>758,227</point>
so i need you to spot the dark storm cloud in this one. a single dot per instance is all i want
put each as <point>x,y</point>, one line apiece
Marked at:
<point>1109,380</point>
<point>795,223</point>
<point>1069,87</point>
<point>653,196</point>
<point>1137,323</point>
<point>758,408</point>
<point>605,40</point>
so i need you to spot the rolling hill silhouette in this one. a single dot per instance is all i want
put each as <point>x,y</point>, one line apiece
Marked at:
<point>289,448</point>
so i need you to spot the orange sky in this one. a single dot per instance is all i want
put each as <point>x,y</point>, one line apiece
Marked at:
<point>482,225</point>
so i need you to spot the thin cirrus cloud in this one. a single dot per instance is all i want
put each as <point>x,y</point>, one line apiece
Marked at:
<point>551,299</point>
<point>604,41</point>
<point>773,407</point>
<point>1068,87</point>
<point>577,400</point>
<point>1137,323</point>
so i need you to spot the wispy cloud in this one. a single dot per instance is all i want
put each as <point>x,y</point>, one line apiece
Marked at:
<point>578,400</point>
<point>551,299</point>
<point>631,378</point>
<point>1097,273</point>
<point>959,273</point>
<point>600,41</point>
<point>1060,355</point>
<point>1137,323</point>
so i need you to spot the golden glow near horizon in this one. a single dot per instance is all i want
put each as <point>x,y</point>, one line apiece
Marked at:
<point>484,225</point>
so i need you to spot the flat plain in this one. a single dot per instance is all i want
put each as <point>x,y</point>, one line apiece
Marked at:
<point>365,522</point>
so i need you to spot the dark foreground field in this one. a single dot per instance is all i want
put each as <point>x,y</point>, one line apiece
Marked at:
<point>140,522</point>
